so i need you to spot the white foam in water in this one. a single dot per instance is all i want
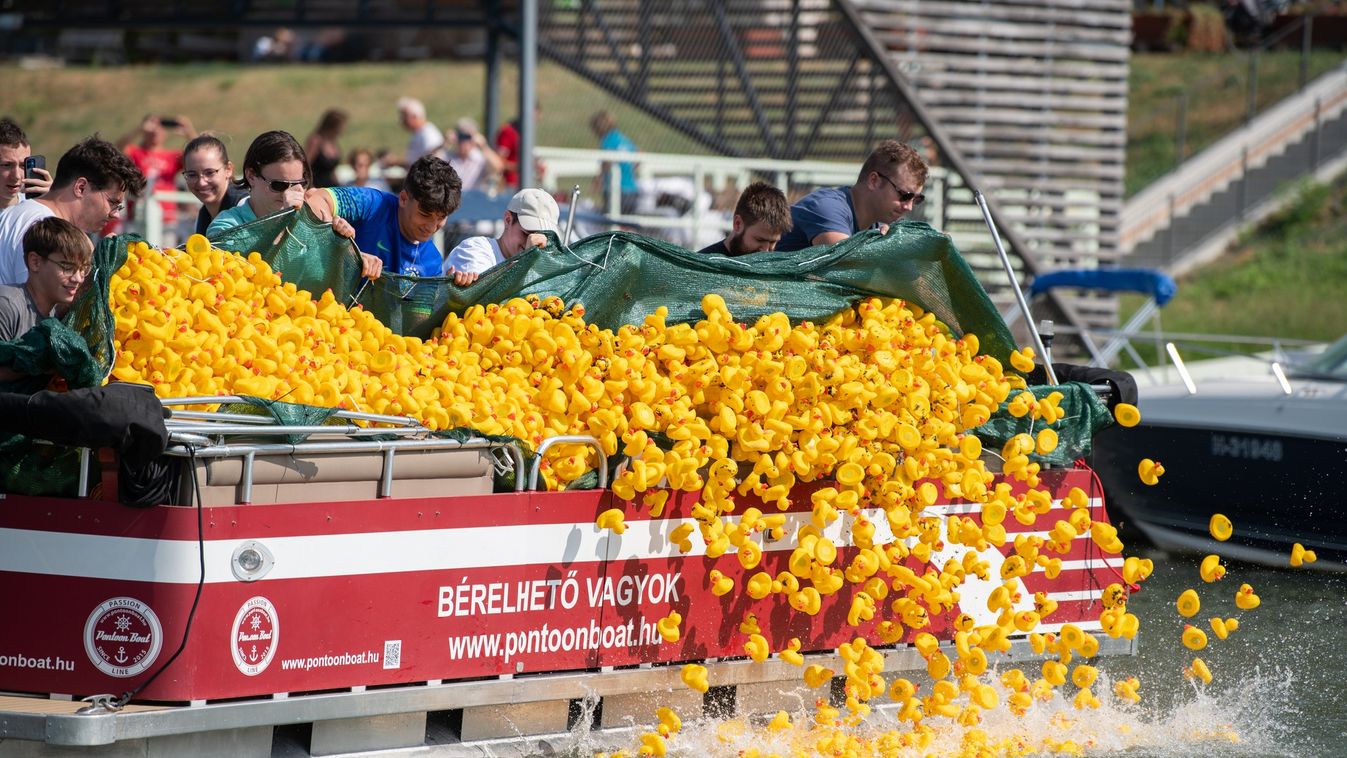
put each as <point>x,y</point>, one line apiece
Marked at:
<point>1243,719</point>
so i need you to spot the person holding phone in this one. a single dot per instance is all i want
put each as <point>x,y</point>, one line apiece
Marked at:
<point>22,174</point>
<point>145,147</point>
<point>889,187</point>
<point>472,158</point>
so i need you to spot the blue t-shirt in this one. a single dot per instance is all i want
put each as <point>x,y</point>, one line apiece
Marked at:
<point>615,140</point>
<point>374,214</point>
<point>823,210</point>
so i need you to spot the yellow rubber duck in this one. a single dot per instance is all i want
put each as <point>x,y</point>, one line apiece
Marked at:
<point>816,676</point>
<point>720,584</point>
<point>669,722</point>
<point>1198,670</point>
<point>694,676</point>
<point>757,648</point>
<point>780,722</point>
<point>668,627</point>
<point>1189,604</point>
<point>1126,689</point>
<point>1221,528</point>
<point>1211,569</point>
<point>1150,471</point>
<point>1245,599</point>
<point>1223,627</point>
<point>759,585</point>
<point>1300,556</point>
<point>1194,638</point>
<point>1136,570</point>
<point>652,744</point>
<point>1126,415</point>
<point>611,519</point>
<point>791,654</point>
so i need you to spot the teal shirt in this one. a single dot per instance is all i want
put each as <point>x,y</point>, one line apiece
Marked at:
<point>230,218</point>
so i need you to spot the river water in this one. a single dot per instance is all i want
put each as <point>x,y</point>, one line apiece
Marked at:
<point>1277,690</point>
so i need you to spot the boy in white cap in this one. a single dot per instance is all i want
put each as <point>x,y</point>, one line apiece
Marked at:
<point>530,212</point>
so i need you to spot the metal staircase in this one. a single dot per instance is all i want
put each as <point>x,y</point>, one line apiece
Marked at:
<point>808,79</point>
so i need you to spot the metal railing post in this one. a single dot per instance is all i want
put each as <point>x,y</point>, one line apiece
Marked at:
<point>1306,47</point>
<point>1169,232</point>
<point>1318,131</point>
<point>1181,129</point>
<point>1253,86</point>
<point>1242,196</point>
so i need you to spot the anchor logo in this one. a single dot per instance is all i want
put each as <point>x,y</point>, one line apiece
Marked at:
<point>123,637</point>
<point>121,655</point>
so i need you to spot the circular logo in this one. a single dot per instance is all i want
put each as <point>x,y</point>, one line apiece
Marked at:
<point>257,628</point>
<point>123,637</point>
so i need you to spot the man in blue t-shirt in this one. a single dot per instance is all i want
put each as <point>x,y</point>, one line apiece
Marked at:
<point>889,187</point>
<point>393,231</point>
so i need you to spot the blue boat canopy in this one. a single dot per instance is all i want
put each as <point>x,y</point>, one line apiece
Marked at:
<point>1144,280</point>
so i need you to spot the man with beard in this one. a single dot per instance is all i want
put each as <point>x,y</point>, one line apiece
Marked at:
<point>760,218</point>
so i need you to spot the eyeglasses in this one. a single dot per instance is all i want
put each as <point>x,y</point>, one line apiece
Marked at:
<point>69,269</point>
<point>281,185</point>
<point>916,198</point>
<point>115,205</point>
<point>206,174</point>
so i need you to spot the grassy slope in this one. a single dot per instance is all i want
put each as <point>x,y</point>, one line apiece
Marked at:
<point>1218,92</point>
<point>1288,278</point>
<point>59,106</point>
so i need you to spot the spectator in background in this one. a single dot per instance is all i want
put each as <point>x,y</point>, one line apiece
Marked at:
<point>14,150</point>
<point>530,212</point>
<point>362,163</point>
<point>761,216</point>
<point>889,187</point>
<point>277,47</point>
<point>145,147</point>
<point>394,231</point>
<point>92,181</point>
<point>471,156</point>
<point>210,177</point>
<point>322,148</point>
<point>275,176</point>
<point>507,147</point>
<point>604,127</point>
<point>57,256</point>
<point>426,137</point>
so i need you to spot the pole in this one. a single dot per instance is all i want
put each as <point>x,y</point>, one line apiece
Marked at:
<point>528,65</point>
<point>1015,286</point>
<point>492,107</point>
<point>570,215</point>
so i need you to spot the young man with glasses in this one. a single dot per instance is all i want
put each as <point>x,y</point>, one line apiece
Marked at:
<point>92,182</point>
<point>58,256</point>
<point>888,187</point>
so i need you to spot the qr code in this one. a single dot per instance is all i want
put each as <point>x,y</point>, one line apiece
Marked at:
<point>392,654</point>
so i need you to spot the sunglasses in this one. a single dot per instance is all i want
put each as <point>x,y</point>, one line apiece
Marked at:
<point>916,198</point>
<point>281,185</point>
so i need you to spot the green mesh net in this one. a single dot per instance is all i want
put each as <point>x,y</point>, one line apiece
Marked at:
<point>79,349</point>
<point>1084,414</point>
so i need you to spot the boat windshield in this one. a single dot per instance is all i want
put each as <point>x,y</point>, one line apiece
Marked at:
<point>1331,363</point>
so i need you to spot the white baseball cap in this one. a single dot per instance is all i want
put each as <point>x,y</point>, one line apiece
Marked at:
<point>536,210</point>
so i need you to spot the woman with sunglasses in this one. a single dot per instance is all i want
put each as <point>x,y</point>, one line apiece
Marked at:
<point>275,175</point>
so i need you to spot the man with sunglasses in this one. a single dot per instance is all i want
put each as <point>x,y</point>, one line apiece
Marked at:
<point>888,187</point>
<point>93,180</point>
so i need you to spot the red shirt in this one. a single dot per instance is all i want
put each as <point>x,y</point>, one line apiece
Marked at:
<point>507,147</point>
<point>160,168</point>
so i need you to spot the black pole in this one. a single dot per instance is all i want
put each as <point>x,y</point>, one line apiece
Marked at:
<point>491,109</point>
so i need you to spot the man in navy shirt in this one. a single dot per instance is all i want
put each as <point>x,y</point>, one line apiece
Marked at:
<point>888,187</point>
<point>393,231</point>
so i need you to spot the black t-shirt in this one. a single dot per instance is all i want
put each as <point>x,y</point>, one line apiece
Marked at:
<point>718,249</point>
<point>233,195</point>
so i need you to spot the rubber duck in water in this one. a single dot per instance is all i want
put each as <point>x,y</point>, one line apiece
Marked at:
<point>1300,556</point>
<point>669,722</point>
<point>694,676</point>
<point>1189,604</point>
<point>1150,471</point>
<point>1126,689</point>
<point>1211,569</point>
<point>1220,527</point>
<point>1198,670</point>
<point>1194,638</point>
<point>1245,599</point>
<point>1223,627</point>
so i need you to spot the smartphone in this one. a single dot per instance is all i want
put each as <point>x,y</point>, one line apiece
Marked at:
<point>169,123</point>
<point>32,162</point>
